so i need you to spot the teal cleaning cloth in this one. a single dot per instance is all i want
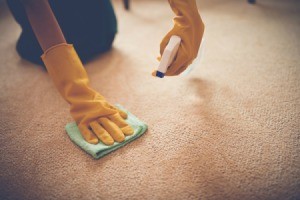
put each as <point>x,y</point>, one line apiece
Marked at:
<point>99,150</point>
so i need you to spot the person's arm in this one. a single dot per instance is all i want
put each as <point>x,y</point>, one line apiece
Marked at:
<point>43,23</point>
<point>95,117</point>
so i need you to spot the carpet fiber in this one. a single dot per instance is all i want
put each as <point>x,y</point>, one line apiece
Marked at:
<point>229,130</point>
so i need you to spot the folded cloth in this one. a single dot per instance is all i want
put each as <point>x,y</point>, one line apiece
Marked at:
<point>99,150</point>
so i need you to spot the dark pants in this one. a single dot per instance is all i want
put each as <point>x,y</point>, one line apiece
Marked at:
<point>90,25</point>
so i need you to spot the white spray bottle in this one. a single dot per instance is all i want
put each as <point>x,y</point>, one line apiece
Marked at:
<point>169,55</point>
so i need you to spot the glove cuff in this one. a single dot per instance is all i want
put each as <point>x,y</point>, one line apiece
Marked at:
<point>67,72</point>
<point>71,80</point>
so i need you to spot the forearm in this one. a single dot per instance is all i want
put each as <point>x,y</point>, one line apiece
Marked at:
<point>43,23</point>
<point>185,10</point>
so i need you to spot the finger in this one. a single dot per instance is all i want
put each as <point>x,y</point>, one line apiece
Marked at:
<point>115,132</point>
<point>88,135</point>
<point>179,62</point>
<point>101,133</point>
<point>120,122</point>
<point>154,73</point>
<point>182,69</point>
<point>165,42</point>
<point>122,113</point>
<point>163,45</point>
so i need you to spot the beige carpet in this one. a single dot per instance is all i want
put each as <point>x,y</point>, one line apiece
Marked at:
<point>229,130</point>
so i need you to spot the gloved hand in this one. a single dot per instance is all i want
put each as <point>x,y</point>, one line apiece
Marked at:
<point>95,117</point>
<point>189,27</point>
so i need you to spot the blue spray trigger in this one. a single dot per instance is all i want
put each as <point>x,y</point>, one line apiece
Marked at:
<point>160,74</point>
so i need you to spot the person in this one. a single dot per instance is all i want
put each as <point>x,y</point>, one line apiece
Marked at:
<point>97,119</point>
<point>90,26</point>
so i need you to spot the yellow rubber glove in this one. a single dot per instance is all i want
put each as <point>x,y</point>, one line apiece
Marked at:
<point>189,27</point>
<point>95,117</point>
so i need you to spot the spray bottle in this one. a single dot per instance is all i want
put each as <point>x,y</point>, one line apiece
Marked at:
<point>169,55</point>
